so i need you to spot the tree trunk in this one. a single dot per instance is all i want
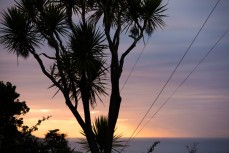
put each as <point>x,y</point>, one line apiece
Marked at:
<point>115,102</point>
<point>91,140</point>
<point>86,105</point>
<point>86,126</point>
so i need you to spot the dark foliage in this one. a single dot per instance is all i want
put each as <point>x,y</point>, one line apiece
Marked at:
<point>56,142</point>
<point>15,137</point>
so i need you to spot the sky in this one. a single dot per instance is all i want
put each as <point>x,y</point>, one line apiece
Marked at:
<point>199,108</point>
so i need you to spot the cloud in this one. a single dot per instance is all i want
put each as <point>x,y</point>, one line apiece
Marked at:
<point>94,112</point>
<point>40,110</point>
<point>200,106</point>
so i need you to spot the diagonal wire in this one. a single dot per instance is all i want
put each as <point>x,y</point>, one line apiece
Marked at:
<point>166,101</point>
<point>135,64</point>
<point>170,76</point>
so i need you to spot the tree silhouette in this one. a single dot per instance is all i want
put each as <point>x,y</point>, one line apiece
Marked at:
<point>10,110</point>
<point>193,148</point>
<point>15,136</point>
<point>78,63</point>
<point>56,142</point>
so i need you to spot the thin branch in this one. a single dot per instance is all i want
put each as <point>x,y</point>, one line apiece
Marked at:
<point>49,57</point>
<point>117,33</point>
<point>110,42</point>
<point>40,62</point>
<point>74,94</point>
<point>75,113</point>
<point>60,42</point>
<point>69,20</point>
<point>129,49</point>
<point>59,64</point>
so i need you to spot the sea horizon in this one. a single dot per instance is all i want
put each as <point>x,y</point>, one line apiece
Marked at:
<point>168,144</point>
<point>159,137</point>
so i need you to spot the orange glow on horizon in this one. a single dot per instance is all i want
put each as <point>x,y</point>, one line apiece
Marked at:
<point>72,129</point>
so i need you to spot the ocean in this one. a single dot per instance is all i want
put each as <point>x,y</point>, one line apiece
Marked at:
<point>169,145</point>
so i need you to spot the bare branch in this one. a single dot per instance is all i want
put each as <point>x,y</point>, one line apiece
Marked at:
<point>130,49</point>
<point>49,57</point>
<point>110,42</point>
<point>117,33</point>
<point>60,42</point>
<point>75,113</point>
<point>36,56</point>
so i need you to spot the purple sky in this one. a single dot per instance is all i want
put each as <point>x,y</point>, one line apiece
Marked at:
<point>200,108</point>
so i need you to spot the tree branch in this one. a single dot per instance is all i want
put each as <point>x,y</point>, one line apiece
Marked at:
<point>117,33</point>
<point>40,62</point>
<point>60,42</point>
<point>75,112</point>
<point>59,64</point>
<point>69,19</point>
<point>49,57</point>
<point>74,94</point>
<point>110,42</point>
<point>129,49</point>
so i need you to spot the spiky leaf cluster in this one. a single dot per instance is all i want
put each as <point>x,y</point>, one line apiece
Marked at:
<point>133,15</point>
<point>100,130</point>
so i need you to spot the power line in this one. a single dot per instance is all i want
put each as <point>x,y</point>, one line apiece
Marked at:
<point>166,101</point>
<point>170,76</point>
<point>135,64</point>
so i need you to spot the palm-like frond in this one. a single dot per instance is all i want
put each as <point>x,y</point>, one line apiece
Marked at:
<point>152,14</point>
<point>74,6</point>
<point>53,20</point>
<point>145,13</point>
<point>88,41</point>
<point>133,10</point>
<point>84,64</point>
<point>31,7</point>
<point>28,7</point>
<point>97,86</point>
<point>99,129</point>
<point>88,58</point>
<point>109,10</point>
<point>97,14</point>
<point>47,15</point>
<point>88,49</point>
<point>19,35</point>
